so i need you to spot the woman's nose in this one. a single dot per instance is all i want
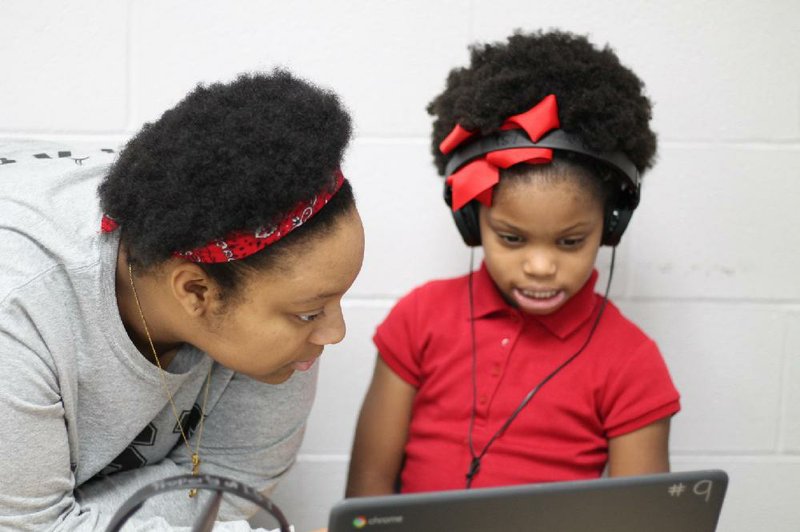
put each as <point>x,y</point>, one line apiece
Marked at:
<point>331,330</point>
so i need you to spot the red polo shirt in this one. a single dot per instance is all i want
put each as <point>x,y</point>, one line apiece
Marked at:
<point>618,384</point>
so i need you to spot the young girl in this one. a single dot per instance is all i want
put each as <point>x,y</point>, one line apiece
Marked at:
<point>173,326</point>
<point>519,372</point>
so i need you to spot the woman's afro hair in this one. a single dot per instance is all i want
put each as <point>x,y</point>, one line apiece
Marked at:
<point>229,156</point>
<point>599,100</point>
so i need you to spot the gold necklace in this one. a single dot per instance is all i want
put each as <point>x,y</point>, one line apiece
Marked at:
<point>196,453</point>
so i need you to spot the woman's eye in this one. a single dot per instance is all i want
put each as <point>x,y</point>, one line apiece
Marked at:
<point>309,317</point>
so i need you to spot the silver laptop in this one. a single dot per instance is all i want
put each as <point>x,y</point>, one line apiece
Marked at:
<point>670,502</point>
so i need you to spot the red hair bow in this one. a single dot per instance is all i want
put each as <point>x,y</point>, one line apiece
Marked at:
<point>475,180</point>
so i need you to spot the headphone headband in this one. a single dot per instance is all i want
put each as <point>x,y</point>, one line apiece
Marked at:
<point>208,514</point>
<point>617,214</point>
<point>555,139</point>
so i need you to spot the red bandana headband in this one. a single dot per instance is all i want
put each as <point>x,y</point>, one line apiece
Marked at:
<point>476,179</point>
<point>240,244</point>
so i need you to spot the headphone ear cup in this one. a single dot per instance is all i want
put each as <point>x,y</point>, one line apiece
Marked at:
<point>466,219</point>
<point>614,224</point>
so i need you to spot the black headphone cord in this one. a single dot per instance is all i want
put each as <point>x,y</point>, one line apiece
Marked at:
<point>475,464</point>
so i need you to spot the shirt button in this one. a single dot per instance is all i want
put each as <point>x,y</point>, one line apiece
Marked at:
<point>495,372</point>
<point>482,400</point>
<point>504,342</point>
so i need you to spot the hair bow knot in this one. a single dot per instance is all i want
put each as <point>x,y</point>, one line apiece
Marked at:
<point>476,179</point>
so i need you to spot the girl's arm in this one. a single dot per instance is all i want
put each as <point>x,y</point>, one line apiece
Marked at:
<point>380,434</point>
<point>641,452</point>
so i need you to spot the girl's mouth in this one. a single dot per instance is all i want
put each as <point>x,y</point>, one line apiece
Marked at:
<point>538,301</point>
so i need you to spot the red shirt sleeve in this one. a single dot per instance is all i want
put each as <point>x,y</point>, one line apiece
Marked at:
<point>639,391</point>
<point>397,339</point>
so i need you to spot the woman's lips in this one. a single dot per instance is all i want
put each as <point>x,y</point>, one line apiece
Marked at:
<point>304,365</point>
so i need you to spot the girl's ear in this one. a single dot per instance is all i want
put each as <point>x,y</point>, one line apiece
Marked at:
<point>192,288</point>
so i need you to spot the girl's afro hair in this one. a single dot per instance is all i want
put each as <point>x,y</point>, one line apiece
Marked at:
<point>229,156</point>
<point>599,100</point>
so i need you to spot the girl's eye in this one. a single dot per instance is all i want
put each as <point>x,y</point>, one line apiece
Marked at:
<point>571,242</point>
<point>307,318</point>
<point>509,239</point>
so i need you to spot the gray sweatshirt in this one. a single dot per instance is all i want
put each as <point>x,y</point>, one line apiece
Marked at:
<point>87,420</point>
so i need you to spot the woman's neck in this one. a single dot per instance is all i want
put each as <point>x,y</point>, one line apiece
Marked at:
<point>151,309</point>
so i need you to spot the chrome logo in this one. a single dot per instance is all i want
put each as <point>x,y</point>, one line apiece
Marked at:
<point>360,522</point>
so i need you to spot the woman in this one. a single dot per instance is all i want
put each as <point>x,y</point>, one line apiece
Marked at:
<point>172,327</point>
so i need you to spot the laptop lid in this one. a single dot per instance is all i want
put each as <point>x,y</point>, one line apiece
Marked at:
<point>667,502</point>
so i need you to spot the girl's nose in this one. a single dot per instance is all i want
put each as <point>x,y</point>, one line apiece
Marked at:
<point>539,264</point>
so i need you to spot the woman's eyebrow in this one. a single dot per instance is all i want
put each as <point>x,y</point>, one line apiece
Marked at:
<point>318,297</point>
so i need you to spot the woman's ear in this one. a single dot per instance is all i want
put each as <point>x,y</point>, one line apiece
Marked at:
<point>192,288</point>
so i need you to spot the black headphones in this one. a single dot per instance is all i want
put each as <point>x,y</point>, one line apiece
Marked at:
<point>623,179</point>
<point>207,515</point>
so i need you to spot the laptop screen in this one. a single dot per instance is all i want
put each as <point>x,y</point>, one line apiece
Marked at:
<point>667,502</point>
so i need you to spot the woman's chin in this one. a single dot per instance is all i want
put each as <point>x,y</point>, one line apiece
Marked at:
<point>283,373</point>
<point>277,377</point>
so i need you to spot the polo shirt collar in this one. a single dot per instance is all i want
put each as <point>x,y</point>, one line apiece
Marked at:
<point>566,320</point>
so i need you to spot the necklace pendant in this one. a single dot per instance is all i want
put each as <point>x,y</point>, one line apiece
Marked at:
<point>195,472</point>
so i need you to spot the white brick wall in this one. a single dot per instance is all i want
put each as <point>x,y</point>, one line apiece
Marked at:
<point>708,267</point>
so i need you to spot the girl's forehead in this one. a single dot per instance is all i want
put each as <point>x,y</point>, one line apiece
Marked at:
<point>535,183</point>
<point>532,178</point>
